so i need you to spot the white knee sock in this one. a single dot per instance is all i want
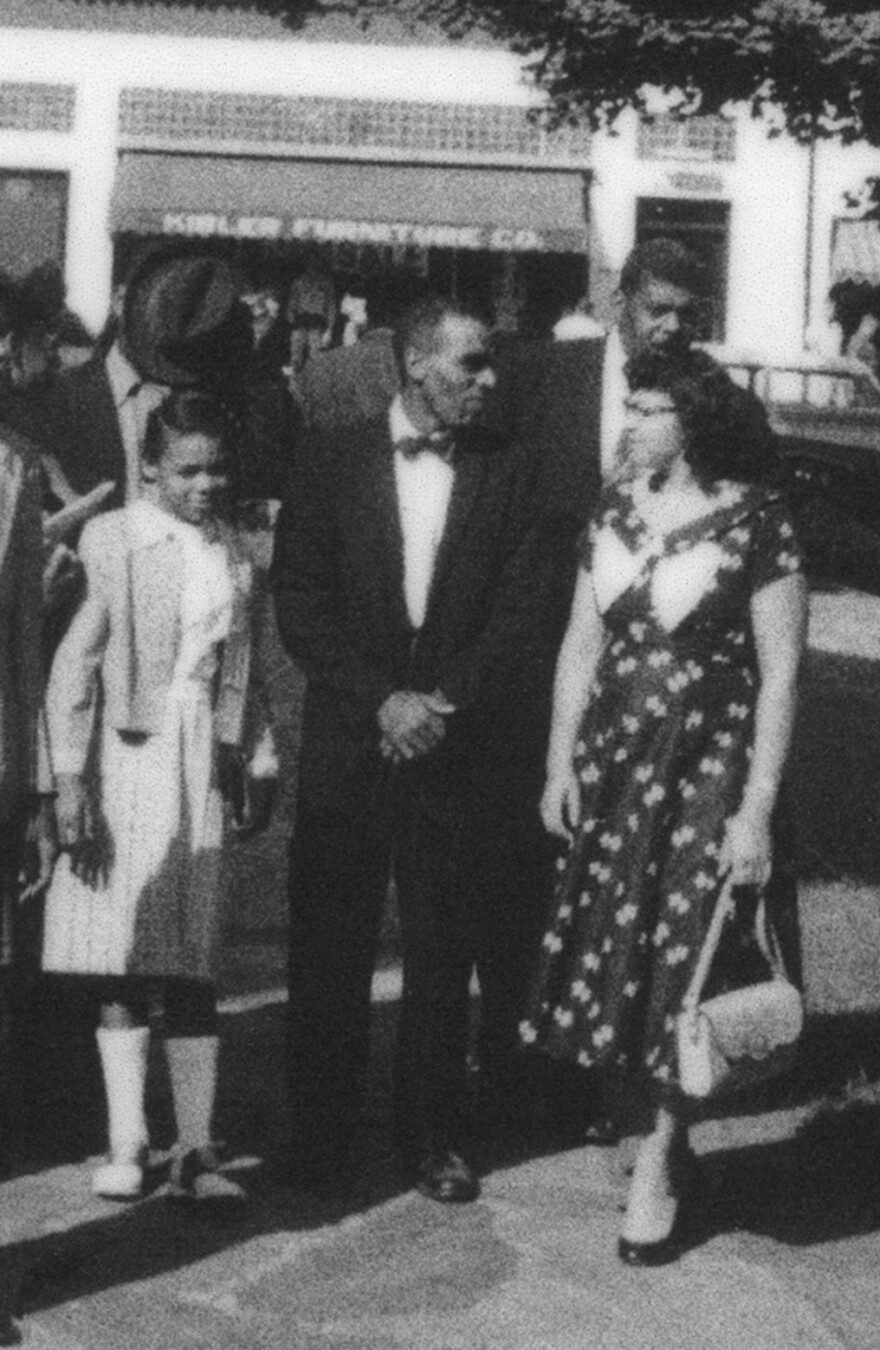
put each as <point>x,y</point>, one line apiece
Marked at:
<point>123,1054</point>
<point>192,1066</point>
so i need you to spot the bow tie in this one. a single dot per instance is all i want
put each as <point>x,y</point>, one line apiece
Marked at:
<point>441,444</point>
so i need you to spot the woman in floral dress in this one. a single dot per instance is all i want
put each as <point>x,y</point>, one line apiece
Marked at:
<point>673,709</point>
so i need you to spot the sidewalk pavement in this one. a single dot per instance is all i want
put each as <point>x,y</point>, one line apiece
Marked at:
<point>785,1255</point>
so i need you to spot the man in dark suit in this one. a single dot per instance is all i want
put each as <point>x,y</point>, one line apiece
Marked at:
<point>100,420</point>
<point>180,324</point>
<point>404,577</point>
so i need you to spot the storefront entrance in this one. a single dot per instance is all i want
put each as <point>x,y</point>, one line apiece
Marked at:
<point>512,240</point>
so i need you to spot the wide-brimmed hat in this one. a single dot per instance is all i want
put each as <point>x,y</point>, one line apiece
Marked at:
<point>183,322</point>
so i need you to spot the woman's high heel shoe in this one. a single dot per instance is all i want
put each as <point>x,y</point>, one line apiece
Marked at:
<point>658,1253</point>
<point>685,1182</point>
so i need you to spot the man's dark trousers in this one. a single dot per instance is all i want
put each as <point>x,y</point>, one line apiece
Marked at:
<point>461,909</point>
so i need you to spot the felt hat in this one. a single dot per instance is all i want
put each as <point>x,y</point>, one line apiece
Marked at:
<point>183,322</point>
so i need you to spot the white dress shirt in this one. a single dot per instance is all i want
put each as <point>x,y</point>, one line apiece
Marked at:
<point>614,394</point>
<point>424,488</point>
<point>134,399</point>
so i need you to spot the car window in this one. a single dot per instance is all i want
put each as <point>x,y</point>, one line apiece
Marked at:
<point>817,389</point>
<point>791,388</point>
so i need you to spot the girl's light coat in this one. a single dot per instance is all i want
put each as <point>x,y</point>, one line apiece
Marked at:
<point>119,654</point>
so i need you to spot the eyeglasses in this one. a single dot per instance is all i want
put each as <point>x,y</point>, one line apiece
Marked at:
<point>649,410</point>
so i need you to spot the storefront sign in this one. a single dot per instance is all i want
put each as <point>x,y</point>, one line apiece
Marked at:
<point>688,180</point>
<point>400,233</point>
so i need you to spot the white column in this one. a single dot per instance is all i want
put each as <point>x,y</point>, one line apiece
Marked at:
<point>93,166</point>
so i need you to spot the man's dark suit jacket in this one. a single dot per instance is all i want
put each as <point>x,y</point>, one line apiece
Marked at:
<point>88,442</point>
<point>547,404</point>
<point>338,578</point>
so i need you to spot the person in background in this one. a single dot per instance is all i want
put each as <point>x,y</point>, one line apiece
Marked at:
<point>181,325</point>
<point>672,716</point>
<point>155,717</point>
<point>656,308</point>
<point>311,309</point>
<point>27,411</point>
<point>353,313</point>
<point>262,292</point>
<point>356,382</point>
<point>25,780</point>
<point>269,416</point>
<point>27,835</point>
<point>403,580</point>
<point>30,377</point>
<point>864,343</point>
<point>849,301</point>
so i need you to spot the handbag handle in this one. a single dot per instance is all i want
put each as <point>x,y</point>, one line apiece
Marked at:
<point>767,942</point>
<point>691,999</point>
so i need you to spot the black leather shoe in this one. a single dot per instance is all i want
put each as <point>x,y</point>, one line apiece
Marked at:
<point>446,1177</point>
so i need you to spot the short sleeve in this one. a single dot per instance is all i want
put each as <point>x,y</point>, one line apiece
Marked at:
<point>607,508</point>
<point>775,551</point>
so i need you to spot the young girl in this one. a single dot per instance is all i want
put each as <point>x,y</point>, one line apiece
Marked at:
<point>153,712</point>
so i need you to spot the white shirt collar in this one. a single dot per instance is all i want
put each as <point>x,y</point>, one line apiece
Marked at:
<point>400,423</point>
<point>121,374</point>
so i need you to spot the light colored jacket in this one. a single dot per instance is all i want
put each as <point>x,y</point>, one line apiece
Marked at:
<point>120,652</point>
<point>21,616</point>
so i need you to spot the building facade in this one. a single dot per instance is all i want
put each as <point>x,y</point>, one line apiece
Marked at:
<point>388,155</point>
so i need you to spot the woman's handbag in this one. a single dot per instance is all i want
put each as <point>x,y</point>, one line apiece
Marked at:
<point>744,1037</point>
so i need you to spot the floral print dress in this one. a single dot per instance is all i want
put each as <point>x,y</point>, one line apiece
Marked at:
<point>661,758</point>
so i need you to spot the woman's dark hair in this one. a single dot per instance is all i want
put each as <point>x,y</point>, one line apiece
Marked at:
<point>188,412</point>
<point>726,432</point>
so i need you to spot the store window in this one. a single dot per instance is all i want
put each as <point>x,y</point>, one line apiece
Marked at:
<point>33,219</point>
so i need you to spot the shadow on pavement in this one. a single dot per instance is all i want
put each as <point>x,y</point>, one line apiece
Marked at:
<point>95,1245</point>
<point>821,1186</point>
<point>839,1053</point>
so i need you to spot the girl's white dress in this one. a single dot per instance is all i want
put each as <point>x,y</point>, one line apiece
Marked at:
<point>158,913</point>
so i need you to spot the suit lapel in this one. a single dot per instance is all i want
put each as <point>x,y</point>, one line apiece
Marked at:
<point>11,479</point>
<point>107,452</point>
<point>383,535</point>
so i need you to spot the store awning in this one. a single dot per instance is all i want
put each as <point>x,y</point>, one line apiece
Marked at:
<point>506,210</point>
<point>855,251</point>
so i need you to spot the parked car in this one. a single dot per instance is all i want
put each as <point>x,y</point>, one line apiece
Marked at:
<point>826,414</point>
